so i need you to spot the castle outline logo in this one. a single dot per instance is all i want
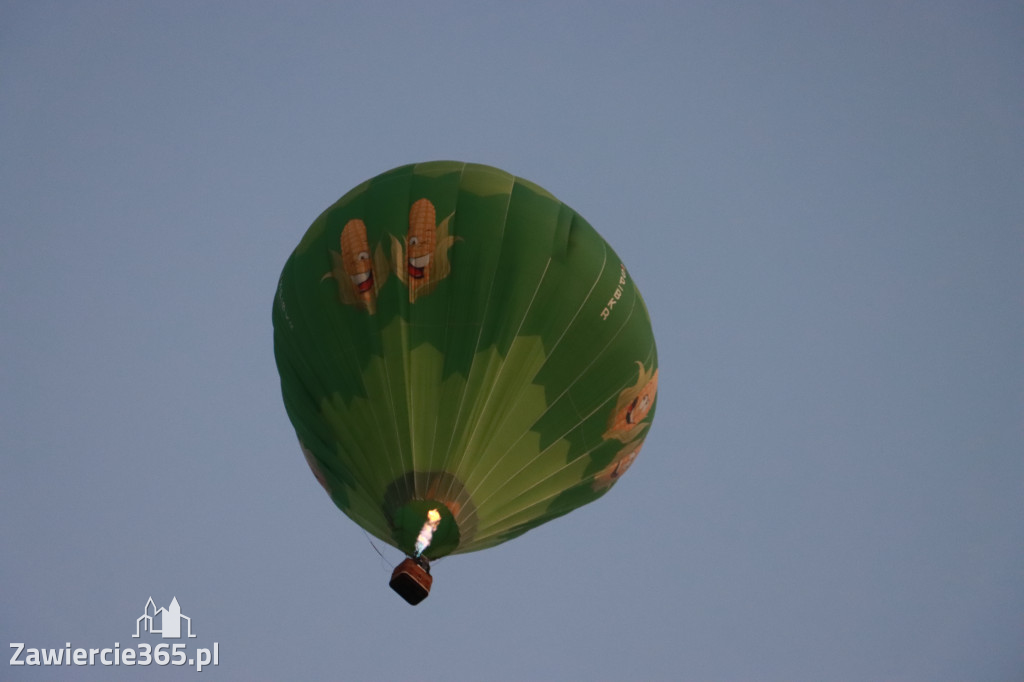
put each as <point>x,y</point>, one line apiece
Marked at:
<point>170,620</point>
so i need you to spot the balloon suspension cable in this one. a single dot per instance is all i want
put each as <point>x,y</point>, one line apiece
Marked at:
<point>375,548</point>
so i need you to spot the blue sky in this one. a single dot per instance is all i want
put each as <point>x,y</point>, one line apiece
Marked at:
<point>821,202</point>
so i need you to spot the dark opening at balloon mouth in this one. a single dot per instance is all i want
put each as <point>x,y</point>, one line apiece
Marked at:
<point>425,528</point>
<point>408,503</point>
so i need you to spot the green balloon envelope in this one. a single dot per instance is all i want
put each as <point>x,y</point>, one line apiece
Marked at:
<point>452,337</point>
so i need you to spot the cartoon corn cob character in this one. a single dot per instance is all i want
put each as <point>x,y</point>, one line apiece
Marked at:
<point>356,272</point>
<point>420,239</point>
<point>632,406</point>
<point>618,466</point>
<point>422,260</point>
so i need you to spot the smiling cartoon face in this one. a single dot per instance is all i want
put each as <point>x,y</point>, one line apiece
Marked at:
<point>626,421</point>
<point>618,466</point>
<point>358,271</point>
<point>421,260</point>
<point>421,239</point>
<point>355,255</point>
<point>638,408</point>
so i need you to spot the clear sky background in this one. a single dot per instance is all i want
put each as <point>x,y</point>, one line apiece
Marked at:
<point>822,202</point>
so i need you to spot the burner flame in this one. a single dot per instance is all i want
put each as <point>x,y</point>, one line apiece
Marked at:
<point>427,532</point>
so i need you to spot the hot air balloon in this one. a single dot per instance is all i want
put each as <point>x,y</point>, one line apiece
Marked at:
<point>463,358</point>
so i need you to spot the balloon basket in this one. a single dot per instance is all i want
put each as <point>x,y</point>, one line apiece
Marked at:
<point>411,580</point>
